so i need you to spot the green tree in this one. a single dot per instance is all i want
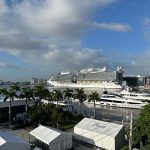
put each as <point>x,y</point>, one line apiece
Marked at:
<point>68,93</point>
<point>27,93</point>
<point>93,98</point>
<point>35,113</point>
<point>49,95</point>
<point>57,96</point>
<point>40,92</point>
<point>146,147</point>
<point>81,96</point>
<point>141,132</point>
<point>41,113</point>
<point>10,94</point>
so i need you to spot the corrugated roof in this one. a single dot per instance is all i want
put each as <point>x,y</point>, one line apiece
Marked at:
<point>46,134</point>
<point>99,127</point>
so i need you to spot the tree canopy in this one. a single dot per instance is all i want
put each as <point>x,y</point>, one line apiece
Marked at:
<point>141,132</point>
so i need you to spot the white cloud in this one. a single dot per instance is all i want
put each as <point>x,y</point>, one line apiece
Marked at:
<point>112,26</point>
<point>2,64</point>
<point>146,21</point>
<point>7,65</point>
<point>66,18</point>
<point>50,31</point>
<point>3,7</point>
<point>72,58</point>
<point>146,28</point>
<point>133,64</point>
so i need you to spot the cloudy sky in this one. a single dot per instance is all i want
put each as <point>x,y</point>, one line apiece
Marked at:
<point>42,37</point>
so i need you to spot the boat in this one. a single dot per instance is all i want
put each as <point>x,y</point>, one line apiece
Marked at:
<point>89,78</point>
<point>127,93</point>
<point>115,100</point>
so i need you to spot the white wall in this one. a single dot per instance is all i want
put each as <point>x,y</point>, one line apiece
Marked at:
<point>62,142</point>
<point>120,139</point>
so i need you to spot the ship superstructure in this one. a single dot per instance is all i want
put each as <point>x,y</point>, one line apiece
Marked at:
<point>89,78</point>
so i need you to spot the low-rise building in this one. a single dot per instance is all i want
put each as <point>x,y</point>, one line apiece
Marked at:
<point>34,81</point>
<point>17,107</point>
<point>135,80</point>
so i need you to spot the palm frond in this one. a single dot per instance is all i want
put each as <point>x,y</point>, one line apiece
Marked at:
<point>5,99</point>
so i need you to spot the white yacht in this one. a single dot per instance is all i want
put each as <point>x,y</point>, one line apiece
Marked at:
<point>115,100</point>
<point>135,95</point>
<point>89,78</point>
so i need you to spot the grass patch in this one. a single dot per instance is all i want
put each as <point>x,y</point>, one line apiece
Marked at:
<point>68,126</point>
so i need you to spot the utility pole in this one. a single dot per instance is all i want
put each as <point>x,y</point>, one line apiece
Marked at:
<point>130,134</point>
<point>122,120</point>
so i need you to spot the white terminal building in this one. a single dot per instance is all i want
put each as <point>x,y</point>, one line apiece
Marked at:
<point>101,134</point>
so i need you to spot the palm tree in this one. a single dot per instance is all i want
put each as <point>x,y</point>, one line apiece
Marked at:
<point>94,97</point>
<point>48,95</point>
<point>57,96</point>
<point>80,95</point>
<point>68,93</point>
<point>26,93</point>
<point>39,91</point>
<point>10,94</point>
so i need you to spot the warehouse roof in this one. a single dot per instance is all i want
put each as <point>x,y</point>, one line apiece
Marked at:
<point>99,127</point>
<point>46,134</point>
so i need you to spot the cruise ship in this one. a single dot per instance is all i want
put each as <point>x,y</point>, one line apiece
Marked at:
<point>98,78</point>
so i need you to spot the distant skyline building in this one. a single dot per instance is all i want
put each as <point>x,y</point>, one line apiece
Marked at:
<point>34,80</point>
<point>37,81</point>
<point>1,81</point>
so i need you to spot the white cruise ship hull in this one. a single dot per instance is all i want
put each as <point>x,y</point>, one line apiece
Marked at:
<point>109,86</point>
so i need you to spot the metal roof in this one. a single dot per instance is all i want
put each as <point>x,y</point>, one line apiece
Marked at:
<point>99,127</point>
<point>46,134</point>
